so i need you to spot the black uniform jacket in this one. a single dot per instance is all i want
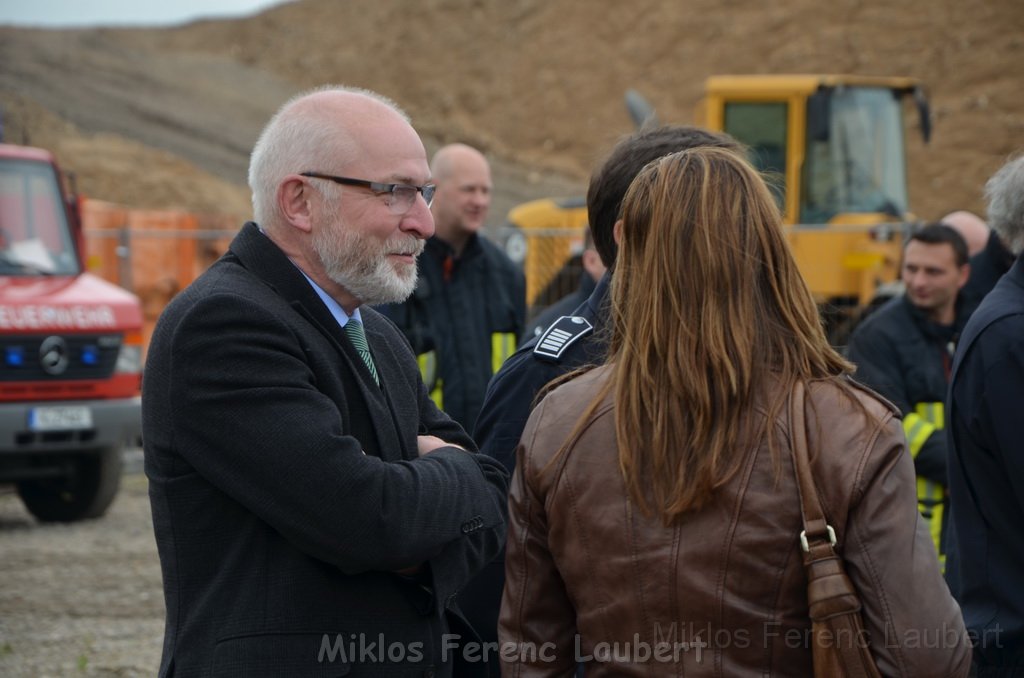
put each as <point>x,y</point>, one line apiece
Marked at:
<point>567,305</point>
<point>287,491</point>
<point>908,359</point>
<point>458,307</point>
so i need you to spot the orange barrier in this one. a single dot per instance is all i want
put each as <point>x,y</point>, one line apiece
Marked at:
<point>154,254</point>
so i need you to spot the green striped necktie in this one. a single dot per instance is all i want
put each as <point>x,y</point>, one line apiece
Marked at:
<point>354,330</point>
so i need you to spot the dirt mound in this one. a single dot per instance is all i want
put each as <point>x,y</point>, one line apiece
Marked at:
<point>537,84</point>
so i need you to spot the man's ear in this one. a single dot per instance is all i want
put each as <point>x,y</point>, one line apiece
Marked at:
<point>592,264</point>
<point>965,273</point>
<point>293,198</point>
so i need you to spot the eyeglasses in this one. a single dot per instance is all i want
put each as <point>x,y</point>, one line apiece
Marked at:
<point>401,197</point>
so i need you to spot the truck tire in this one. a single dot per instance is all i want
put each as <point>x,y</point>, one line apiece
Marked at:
<point>85,493</point>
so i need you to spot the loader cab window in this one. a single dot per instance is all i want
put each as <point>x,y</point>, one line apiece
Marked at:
<point>762,128</point>
<point>855,161</point>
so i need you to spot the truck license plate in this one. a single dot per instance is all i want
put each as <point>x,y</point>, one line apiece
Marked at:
<point>69,418</point>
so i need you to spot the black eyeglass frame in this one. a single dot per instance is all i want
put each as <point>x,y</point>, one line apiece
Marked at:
<point>380,188</point>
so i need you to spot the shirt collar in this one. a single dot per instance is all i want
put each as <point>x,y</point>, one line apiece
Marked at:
<point>333,306</point>
<point>441,249</point>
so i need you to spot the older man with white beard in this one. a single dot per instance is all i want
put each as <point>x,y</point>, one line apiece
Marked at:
<point>315,513</point>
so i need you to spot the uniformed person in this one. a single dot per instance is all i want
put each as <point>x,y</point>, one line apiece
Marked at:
<point>904,350</point>
<point>571,342</point>
<point>469,307</point>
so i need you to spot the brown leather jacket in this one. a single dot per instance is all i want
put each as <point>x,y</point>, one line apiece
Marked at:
<point>723,593</point>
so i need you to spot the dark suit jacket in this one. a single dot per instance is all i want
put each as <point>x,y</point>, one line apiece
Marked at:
<point>985,568</point>
<point>287,491</point>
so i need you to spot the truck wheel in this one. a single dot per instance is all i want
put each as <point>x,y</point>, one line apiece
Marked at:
<point>86,493</point>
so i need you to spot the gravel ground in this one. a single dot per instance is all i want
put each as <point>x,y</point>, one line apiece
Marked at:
<point>83,599</point>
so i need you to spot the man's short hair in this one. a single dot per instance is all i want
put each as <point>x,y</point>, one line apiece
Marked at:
<point>609,183</point>
<point>1005,193</point>
<point>938,234</point>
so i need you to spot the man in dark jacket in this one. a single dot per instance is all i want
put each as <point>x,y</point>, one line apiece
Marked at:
<point>469,306</point>
<point>986,452</point>
<point>314,512</point>
<point>571,342</point>
<point>904,350</point>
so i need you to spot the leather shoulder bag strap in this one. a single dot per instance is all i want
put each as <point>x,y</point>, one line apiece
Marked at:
<point>840,647</point>
<point>815,525</point>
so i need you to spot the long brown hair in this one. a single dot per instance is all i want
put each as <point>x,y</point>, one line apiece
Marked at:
<point>708,307</point>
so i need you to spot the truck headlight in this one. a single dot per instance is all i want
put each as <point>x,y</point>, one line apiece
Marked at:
<point>129,356</point>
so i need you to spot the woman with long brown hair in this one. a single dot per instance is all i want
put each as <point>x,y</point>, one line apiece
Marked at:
<point>654,516</point>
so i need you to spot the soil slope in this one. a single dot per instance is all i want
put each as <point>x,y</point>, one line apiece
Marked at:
<point>165,117</point>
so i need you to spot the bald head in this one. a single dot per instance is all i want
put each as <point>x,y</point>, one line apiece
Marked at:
<point>463,197</point>
<point>450,159</point>
<point>971,227</point>
<point>317,130</point>
<point>314,173</point>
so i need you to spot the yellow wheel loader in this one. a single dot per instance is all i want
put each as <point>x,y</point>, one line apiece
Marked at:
<point>831,147</point>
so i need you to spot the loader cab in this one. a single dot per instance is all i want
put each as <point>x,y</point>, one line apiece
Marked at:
<point>833,144</point>
<point>832,149</point>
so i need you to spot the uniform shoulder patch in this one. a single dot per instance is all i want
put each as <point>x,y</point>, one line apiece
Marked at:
<point>562,334</point>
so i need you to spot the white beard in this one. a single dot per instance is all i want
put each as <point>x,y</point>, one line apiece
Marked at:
<point>360,263</point>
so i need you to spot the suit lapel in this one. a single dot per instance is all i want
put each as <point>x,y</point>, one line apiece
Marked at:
<point>265,260</point>
<point>399,394</point>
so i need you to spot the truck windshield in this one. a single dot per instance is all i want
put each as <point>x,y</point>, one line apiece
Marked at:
<point>34,235</point>
<point>859,167</point>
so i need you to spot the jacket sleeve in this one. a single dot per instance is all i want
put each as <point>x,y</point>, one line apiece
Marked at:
<point>927,447</point>
<point>248,416</point>
<point>507,404</point>
<point>537,624</point>
<point>913,623</point>
<point>484,532</point>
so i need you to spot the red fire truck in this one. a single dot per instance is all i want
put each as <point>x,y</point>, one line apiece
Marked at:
<point>70,350</point>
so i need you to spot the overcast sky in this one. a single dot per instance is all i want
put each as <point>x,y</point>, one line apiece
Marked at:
<point>65,13</point>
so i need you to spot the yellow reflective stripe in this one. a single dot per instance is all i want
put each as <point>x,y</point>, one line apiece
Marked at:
<point>428,367</point>
<point>931,502</point>
<point>503,345</point>
<point>933,413</point>
<point>931,497</point>
<point>917,429</point>
<point>428,370</point>
<point>437,395</point>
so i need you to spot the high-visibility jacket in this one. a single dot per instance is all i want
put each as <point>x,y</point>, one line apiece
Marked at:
<point>463,320</point>
<point>907,358</point>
